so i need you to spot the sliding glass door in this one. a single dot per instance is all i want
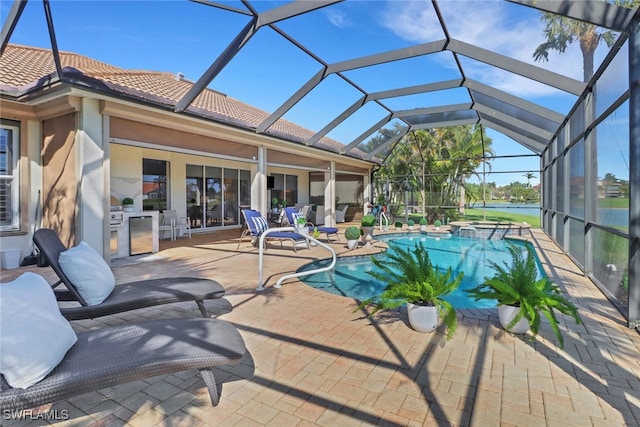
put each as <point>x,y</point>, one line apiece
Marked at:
<point>215,195</point>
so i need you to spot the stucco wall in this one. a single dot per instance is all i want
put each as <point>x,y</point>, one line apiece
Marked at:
<point>59,192</point>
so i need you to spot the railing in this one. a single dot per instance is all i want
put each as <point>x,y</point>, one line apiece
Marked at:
<point>384,219</point>
<point>292,275</point>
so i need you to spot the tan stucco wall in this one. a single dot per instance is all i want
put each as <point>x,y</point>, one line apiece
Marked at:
<point>59,166</point>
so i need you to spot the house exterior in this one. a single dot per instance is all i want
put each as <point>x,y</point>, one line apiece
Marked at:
<point>74,145</point>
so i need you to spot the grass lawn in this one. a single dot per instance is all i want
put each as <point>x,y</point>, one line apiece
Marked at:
<point>614,203</point>
<point>476,215</point>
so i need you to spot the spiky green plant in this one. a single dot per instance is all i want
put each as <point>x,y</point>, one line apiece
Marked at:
<point>517,284</point>
<point>410,277</point>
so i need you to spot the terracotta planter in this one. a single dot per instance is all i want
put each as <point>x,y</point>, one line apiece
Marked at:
<point>506,313</point>
<point>422,318</point>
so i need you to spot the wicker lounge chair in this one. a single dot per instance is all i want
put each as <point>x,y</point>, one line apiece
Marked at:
<point>127,296</point>
<point>131,352</point>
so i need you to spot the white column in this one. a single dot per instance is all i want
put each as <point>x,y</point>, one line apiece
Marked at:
<point>330,195</point>
<point>93,201</point>
<point>259,184</point>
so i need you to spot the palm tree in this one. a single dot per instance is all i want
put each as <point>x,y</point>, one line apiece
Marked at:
<point>529,177</point>
<point>561,31</point>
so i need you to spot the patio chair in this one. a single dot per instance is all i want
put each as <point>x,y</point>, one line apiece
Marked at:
<point>257,224</point>
<point>341,212</point>
<point>134,351</point>
<point>292,215</point>
<point>127,296</point>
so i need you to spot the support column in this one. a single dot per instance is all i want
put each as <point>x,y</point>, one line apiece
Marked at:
<point>634,173</point>
<point>330,195</point>
<point>590,182</point>
<point>259,183</point>
<point>93,198</point>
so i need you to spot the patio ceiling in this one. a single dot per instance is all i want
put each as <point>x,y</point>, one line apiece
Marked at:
<point>392,107</point>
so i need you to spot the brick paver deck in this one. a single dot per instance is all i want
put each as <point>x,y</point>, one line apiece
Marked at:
<point>312,360</point>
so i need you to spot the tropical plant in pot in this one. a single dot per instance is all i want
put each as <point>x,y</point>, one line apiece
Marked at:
<point>411,278</point>
<point>301,226</point>
<point>523,295</point>
<point>352,234</point>
<point>423,224</point>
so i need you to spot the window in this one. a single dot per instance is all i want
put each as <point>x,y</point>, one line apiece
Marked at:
<point>9,175</point>
<point>285,188</point>
<point>155,181</point>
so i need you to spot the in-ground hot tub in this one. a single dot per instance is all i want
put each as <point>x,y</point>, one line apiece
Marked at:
<point>493,230</point>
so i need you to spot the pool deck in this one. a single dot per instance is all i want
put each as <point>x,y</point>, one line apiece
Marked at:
<point>312,360</point>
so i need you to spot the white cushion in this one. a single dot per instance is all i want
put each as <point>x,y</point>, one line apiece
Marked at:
<point>34,336</point>
<point>88,272</point>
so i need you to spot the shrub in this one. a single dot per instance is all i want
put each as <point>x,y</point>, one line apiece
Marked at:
<point>368,220</point>
<point>411,223</point>
<point>274,201</point>
<point>437,223</point>
<point>411,277</point>
<point>127,201</point>
<point>352,233</point>
<point>301,221</point>
<point>398,224</point>
<point>423,221</point>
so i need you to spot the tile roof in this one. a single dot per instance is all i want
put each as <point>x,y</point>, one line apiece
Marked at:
<point>24,67</point>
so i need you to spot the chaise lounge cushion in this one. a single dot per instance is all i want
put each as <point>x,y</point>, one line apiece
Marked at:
<point>89,272</point>
<point>34,337</point>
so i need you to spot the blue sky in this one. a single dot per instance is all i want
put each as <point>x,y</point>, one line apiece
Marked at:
<point>186,37</point>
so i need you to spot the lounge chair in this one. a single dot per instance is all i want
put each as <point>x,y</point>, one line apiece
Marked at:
<point>292,215</point>
<point>341,212</point>
<point>257,224</point>
<point>135,351</point>
<point>127,296</point>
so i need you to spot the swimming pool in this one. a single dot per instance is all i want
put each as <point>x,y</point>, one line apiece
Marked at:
<point>349,278</point>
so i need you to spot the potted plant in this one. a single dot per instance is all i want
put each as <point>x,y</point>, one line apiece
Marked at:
<point>410,224</point>
<point>523,295</point>
<point>437,224</point>
<point>274,205</point>
<point>423,224</point>
<point>398,225</point>
<point>301,226</point>
<point>127,204</point>
<point>412,279</point>
<point>352,234</point>
<point>316,235</point>
<point>368,223</point>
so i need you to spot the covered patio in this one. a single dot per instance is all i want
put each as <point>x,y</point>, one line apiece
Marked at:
<point>314,361</point>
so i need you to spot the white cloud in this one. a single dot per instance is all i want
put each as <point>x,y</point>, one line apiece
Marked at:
<point>337,18</point>
<point>493,26</point>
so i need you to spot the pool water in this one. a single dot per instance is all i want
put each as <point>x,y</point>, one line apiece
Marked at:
<point>350,276</point>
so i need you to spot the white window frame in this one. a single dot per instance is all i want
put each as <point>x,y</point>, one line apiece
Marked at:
<point>14,177</point>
